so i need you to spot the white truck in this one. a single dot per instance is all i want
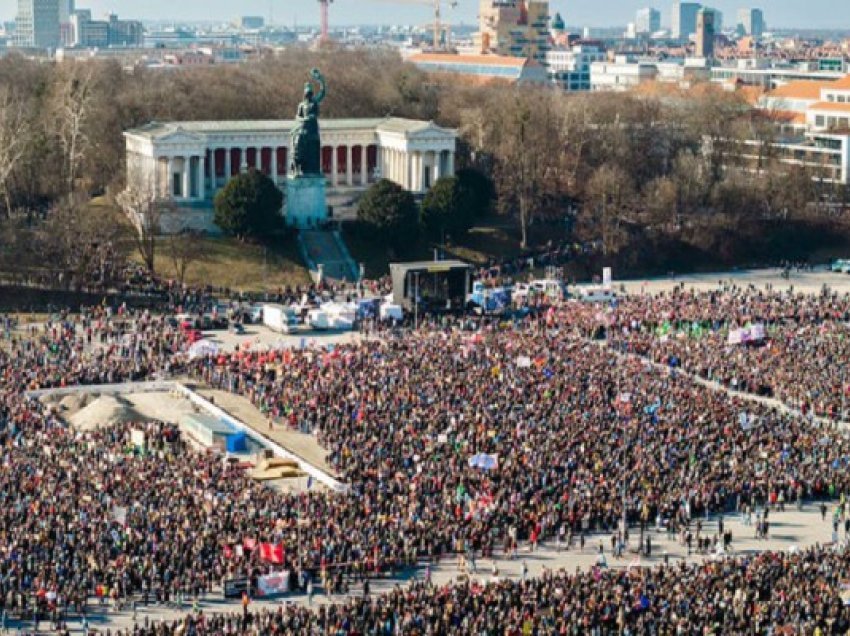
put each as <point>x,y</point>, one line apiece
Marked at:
<point>277,318</point>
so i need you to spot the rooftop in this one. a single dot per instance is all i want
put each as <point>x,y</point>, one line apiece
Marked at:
<point>843,83</point>
<point>836,107</point>
<point>480,60</point>
<point>801,89</point>
<point>158,130</point>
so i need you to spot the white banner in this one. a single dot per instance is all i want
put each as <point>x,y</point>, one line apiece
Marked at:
<point>274,583</point>
<point>755,333</point>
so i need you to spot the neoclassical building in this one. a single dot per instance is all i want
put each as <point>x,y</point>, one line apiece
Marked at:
<point>188,162</point>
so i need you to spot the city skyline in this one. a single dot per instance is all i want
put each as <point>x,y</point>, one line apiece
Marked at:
<point>815,14</point>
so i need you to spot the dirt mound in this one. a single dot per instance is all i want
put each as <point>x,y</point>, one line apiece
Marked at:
<point>107,410</point>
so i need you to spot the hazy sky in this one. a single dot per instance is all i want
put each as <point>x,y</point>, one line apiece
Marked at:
<point>778,13</point>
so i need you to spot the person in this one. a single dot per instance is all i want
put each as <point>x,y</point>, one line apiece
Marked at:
<point>310,592</point>
<point>366,588</point>
<point>524,570</point>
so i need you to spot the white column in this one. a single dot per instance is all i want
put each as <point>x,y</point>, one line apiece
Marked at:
<point>450,163</point>
<point>202,181</point>
<point>334,167</point>
<point>364,164</point>
<point>274,164</point>
<point>243,159</point>
<point>437,171</point>
<point>228,168</point>
<point>349,168</point>
<point>417,172</point>
<point>408,170</point>
<point>186,177</point>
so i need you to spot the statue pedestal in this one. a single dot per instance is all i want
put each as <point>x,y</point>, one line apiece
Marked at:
<point>306,205</point>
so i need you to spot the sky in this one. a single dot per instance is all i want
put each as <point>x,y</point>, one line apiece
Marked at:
<point>832,14</point>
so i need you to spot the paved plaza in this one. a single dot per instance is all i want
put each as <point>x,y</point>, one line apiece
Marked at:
<point>809,281</point>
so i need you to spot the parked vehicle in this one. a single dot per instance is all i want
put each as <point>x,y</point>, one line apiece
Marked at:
<point>489,299</point>
<point>279,318</point>
<point>543,287</point>
<point>595,294</point>
<point>841,265</point>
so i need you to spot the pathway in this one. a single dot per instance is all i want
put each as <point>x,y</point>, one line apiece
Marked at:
<point>303,445</point>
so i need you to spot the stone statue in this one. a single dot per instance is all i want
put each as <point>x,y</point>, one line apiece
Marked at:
<point>306,144</point>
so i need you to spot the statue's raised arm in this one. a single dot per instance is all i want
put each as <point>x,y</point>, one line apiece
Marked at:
<point>317,75</point>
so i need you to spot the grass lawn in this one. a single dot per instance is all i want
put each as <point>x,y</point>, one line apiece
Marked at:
<point>225,262</point>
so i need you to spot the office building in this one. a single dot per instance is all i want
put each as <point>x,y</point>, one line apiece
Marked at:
<point>705,33</point>
<point>814,120</point>
<point>570,68</point>
<point>124,33</point>
<point>751,22</point>
<point>684,20</point>
<point>37,24</point>
<point>624,73</point>
<point>647,21</point>
<point>718,19</point>
<point>112,32</point>
<point>251,22</point>
<point>66,9</point>
<point>517,28</point>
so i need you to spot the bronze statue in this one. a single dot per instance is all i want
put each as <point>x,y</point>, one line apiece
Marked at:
<point>306,143</point>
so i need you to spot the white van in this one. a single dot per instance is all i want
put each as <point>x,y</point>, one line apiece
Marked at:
<point>595,294</point>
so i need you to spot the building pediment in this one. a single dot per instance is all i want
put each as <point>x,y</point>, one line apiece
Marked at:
<point>414,129</point>
<point>178,136</point>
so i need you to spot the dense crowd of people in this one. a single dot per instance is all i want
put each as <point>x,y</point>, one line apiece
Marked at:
<point>801,360</point>
<point>766,594</point>
<point>576,436</point>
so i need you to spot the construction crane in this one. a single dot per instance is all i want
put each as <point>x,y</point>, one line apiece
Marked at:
<point>439,26</point>
<point>438,13</point>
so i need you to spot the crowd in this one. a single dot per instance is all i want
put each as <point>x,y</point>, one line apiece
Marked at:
<point>575,436</point>
<point>766,594</point>
<point>800,362</point>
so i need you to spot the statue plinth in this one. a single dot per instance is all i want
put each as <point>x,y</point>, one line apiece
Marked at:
<point>306,205</point>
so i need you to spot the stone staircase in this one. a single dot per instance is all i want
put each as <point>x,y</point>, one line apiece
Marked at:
<point>326,248</point>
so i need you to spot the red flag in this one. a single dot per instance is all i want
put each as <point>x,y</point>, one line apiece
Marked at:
<point>272,553</point>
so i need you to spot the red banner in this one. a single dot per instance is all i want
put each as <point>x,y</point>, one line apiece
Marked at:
<point>271,552</point>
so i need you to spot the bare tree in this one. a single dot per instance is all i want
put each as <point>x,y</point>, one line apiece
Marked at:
<point>15,135</point>
<point>528,156</point>
<point>610,195</point>
<point>185,249</point>
<point>73,106</point>
<point>146,213</point>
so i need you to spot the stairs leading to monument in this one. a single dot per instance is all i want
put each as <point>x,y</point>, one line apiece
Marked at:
<point>326,248</point>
